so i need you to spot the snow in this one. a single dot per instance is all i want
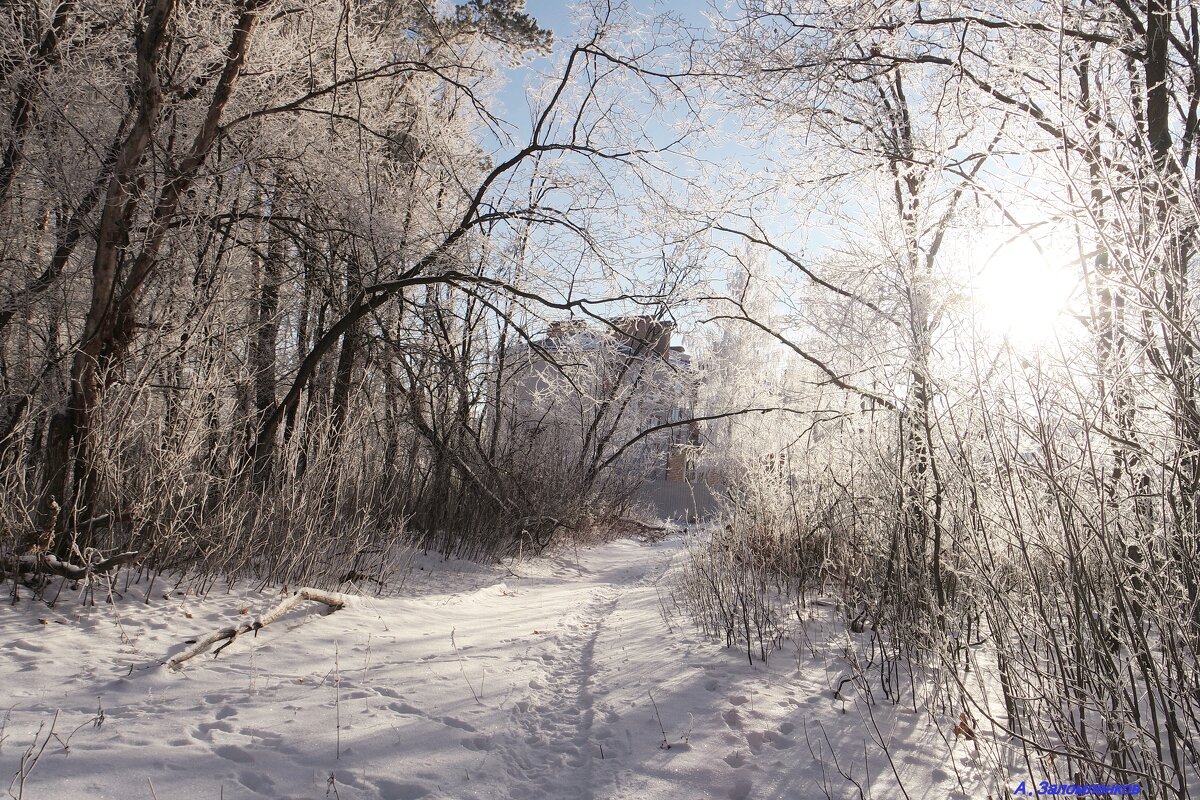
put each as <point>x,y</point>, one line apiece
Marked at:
<point>567,677</point>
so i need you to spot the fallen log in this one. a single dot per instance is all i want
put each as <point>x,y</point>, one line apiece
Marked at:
<point>228,635</point>
<point>53,565</point>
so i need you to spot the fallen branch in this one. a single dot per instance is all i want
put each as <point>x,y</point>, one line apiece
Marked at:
<point>332,599</point>
<point>645,526</point>
<point>648,532</point>
<point>51,564</point>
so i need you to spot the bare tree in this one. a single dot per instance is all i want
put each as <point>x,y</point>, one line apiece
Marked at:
<point>292,233</point>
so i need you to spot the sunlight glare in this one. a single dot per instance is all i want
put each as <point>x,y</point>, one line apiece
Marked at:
<point>1019,294</point>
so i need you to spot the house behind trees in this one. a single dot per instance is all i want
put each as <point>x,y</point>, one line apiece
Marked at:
<point>617,396</point>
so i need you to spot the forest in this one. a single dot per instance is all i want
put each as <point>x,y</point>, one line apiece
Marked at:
<point>272,274</point>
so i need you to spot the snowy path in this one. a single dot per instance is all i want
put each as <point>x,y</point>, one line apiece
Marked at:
<point>530,686</point>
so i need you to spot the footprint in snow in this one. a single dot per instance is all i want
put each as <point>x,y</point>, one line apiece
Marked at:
<point>266,737</point>
<point>477,743</point>
<point>458,723</point>
<point>256,781</point>
<point>205,729</point>
<point>398,790</point>
<point>780,741</point>
<point>234,753</point>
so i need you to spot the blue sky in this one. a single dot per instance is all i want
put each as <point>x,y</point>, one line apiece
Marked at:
<point>564,22</point>
<point>563,18</point>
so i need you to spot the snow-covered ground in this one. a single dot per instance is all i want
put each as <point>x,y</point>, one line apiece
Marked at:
<point>566,677</point>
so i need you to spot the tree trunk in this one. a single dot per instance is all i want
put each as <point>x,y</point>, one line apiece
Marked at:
<point>263,347</point>
<point>95,349</point>
<point>115,297</point>
<point>343,380</point>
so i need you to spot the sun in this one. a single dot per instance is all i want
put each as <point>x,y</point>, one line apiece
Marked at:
<point>1022,292</point>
